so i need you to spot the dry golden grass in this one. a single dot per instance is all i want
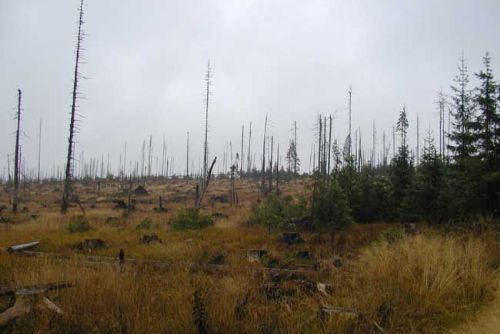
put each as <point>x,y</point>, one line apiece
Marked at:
<point>422,284</point>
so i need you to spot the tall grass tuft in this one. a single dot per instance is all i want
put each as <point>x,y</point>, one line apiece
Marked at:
<point>199,313</point>
<point>422,283</point>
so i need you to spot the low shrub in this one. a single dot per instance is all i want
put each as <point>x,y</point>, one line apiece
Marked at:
<point>78,224</point>
<point>190,218</point>
<point>146,224</point>
<point>274,211</point>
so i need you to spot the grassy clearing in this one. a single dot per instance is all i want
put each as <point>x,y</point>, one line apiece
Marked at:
<point>414,284</point>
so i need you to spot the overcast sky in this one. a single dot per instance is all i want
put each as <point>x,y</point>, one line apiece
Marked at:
<point>145,63</point>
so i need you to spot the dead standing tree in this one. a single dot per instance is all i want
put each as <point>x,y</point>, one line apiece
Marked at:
<point>205,145</point>
<point>69,158</point>
<point>263,171</point>
<point>17,155</point>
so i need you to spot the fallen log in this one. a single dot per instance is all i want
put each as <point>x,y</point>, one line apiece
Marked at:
<point>37,288</point>
<point>107,260</point>
<point>23,247</point>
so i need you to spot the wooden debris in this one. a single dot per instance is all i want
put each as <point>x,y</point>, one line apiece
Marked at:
<point>255,255</point>
<point>9,291</point>
<point>23,247</point>
<point>325,288</point>
<point>29,298</point>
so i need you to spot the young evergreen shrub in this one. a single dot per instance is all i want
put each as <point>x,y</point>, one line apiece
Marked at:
<point>329,208</point>
<point>276,210</point>
<point>78,224</point>
<point>190,218</point>
<point>146,224</point>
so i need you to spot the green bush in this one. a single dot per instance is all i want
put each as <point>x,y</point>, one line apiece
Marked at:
<point>329,207</point>
<point>78,224</point>
<point>276,210</point>
<point>146,224</point>
<point>190,218</point>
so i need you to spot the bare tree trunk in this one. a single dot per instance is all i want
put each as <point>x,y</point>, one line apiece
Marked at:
<point>17,157</point>
<point>205,146</point>
<point>350,123</point>
<point>418,140</point>
<point>187,156</point>
<point>205,186</point>
<point>324,147</point>
<point>271,167</point>
<point>69,169</point>
<point>249,160</point>
<point>143,158</point>
<point>263,171</point>
<point>319,142</point>
<point>241,152</point>
<point>295,143</point>
<point>39,148</point>
<point>150,156</point>
<point>374,144</point>
<point>329,144</point>
<point>278,171</point>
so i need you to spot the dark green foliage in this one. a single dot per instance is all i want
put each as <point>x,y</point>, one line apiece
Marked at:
<point>199,313</point>
<point>146,224</point>
<point>429,181</point>
<point>371,197</point>
<point>275,211</point>
<point>329,207</point>
<point>78,224</point>
<point>190,218</point>
<point>488,134</point>
<point>462,109</point>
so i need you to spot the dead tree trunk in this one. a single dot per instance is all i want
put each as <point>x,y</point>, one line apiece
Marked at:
<point>320,139</point>
<point>263,171</point>
<point>207,182</point>
<point>329,144</point>
<point>150,155</point>
<point>205,146</point>
<point>17,155</point>
<point>187,156</point>
<point>249,164</point>
<point>39,148</point>
<point>69,158</point>
<point>271,167</point>
<point>241,152</point>
<point>278,171</point>
<point>295,143</point>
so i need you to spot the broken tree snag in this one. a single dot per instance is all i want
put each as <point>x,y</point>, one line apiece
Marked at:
<point>23,247</point>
